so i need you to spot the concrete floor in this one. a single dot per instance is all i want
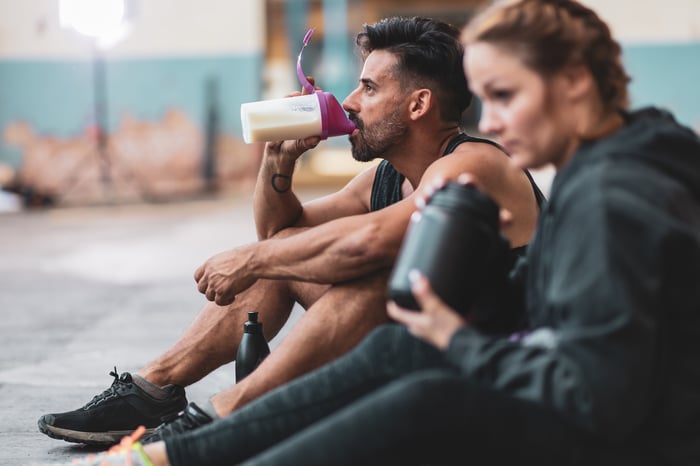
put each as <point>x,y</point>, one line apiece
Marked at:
<point>85,289</point>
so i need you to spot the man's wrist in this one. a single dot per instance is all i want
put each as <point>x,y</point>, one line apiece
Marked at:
<point>253,265</point>
<point>281,159</point>
<point>280,182</point>
<point>280,171</point>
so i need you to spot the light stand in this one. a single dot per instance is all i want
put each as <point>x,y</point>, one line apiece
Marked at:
<point>102,22</point>
<point>99,84</point>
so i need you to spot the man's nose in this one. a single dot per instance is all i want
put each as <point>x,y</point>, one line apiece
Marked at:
<point>350,103</point>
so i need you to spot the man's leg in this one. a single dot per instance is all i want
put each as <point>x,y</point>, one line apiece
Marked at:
<point>213,337</point>
<point>157,394</point>
<point>333,325</point>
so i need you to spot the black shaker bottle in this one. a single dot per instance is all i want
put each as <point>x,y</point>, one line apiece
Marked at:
<point>253,347</point>
<point>455,243</point>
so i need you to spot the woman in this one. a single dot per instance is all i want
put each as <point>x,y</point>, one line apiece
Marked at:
<point>608,371</point>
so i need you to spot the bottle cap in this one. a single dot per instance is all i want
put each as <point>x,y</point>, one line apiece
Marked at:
<point>252,325</point>
<point>334,120</point>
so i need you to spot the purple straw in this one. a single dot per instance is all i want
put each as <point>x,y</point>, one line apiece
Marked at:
<point>300,73</point>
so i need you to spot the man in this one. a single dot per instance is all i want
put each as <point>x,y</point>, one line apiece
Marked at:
<point>331,255</point>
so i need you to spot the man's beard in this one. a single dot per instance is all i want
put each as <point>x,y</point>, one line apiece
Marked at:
<point>376,140</point>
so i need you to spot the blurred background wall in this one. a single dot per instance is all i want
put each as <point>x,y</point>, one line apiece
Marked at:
<point>168,95</point>
<point>661,50</point>
<point>155,115</point>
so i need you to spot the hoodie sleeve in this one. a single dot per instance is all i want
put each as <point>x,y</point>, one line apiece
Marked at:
<point>595,308</point>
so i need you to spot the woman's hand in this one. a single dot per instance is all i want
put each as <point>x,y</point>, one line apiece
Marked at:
<point>436,322</point>
<point>423,196</point>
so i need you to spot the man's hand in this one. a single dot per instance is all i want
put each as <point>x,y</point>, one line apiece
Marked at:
<point>293,149</point>
<point>224,275</point>
<point>435,323</point>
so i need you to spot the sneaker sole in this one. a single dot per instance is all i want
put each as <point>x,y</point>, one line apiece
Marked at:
<point>88,438</point>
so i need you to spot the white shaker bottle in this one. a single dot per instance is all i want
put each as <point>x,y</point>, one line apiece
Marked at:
<point>315,114</point>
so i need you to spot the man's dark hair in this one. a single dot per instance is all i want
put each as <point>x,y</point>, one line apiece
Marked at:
<point>429,55</point>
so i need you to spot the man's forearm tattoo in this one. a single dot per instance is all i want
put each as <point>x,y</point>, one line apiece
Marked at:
<point>279,179</point>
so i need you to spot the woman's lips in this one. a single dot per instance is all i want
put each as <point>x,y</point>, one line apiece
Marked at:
<point>508,146</point>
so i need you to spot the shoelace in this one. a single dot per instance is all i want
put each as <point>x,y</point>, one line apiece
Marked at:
<point>109,393</point>
<point>189,422</point>
<point>182,423</point>
<point>123,447</point>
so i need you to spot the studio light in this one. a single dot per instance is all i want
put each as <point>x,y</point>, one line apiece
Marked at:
<point>101,20</point>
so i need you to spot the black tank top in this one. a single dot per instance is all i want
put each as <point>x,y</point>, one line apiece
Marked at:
<point>386,188</point>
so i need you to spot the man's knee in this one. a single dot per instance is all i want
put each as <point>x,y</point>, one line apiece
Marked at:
<point>306,294</point>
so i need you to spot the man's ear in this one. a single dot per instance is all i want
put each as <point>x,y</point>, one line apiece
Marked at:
<point>420,103</point>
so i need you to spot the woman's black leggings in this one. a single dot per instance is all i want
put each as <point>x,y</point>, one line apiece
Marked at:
<point>392,400</point>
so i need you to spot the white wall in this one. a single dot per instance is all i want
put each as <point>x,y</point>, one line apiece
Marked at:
<point>30,29</point>
<point>650,21</point>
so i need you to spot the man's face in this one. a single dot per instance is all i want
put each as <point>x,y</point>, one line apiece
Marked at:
<point>375,107</point>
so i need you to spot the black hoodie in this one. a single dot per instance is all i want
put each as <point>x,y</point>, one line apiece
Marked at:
<point>612,286</point>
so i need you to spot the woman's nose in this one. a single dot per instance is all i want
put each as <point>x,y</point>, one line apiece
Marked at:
<point>489,122</point>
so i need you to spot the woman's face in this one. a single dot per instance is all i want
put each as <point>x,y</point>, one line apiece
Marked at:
<point>523,112</point>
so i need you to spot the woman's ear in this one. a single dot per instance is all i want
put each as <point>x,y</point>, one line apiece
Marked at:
<point>420,102</point>
<point>579,82</point>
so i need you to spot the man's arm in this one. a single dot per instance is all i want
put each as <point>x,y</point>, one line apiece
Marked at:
<point>350,247</point>
<point>277,207</point>
<point>335,251</point>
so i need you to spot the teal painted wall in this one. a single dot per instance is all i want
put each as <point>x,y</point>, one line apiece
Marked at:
<point>56,97</point>
<point>667,76</point>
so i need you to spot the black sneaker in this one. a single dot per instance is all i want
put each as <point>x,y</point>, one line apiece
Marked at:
<point>114,413</point>
<point>191,418</point>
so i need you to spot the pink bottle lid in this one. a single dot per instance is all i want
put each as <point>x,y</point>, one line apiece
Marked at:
<point>334,120</point>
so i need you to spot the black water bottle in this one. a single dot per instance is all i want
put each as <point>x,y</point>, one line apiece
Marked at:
<point>253,347</point>
<point>455,243</point>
